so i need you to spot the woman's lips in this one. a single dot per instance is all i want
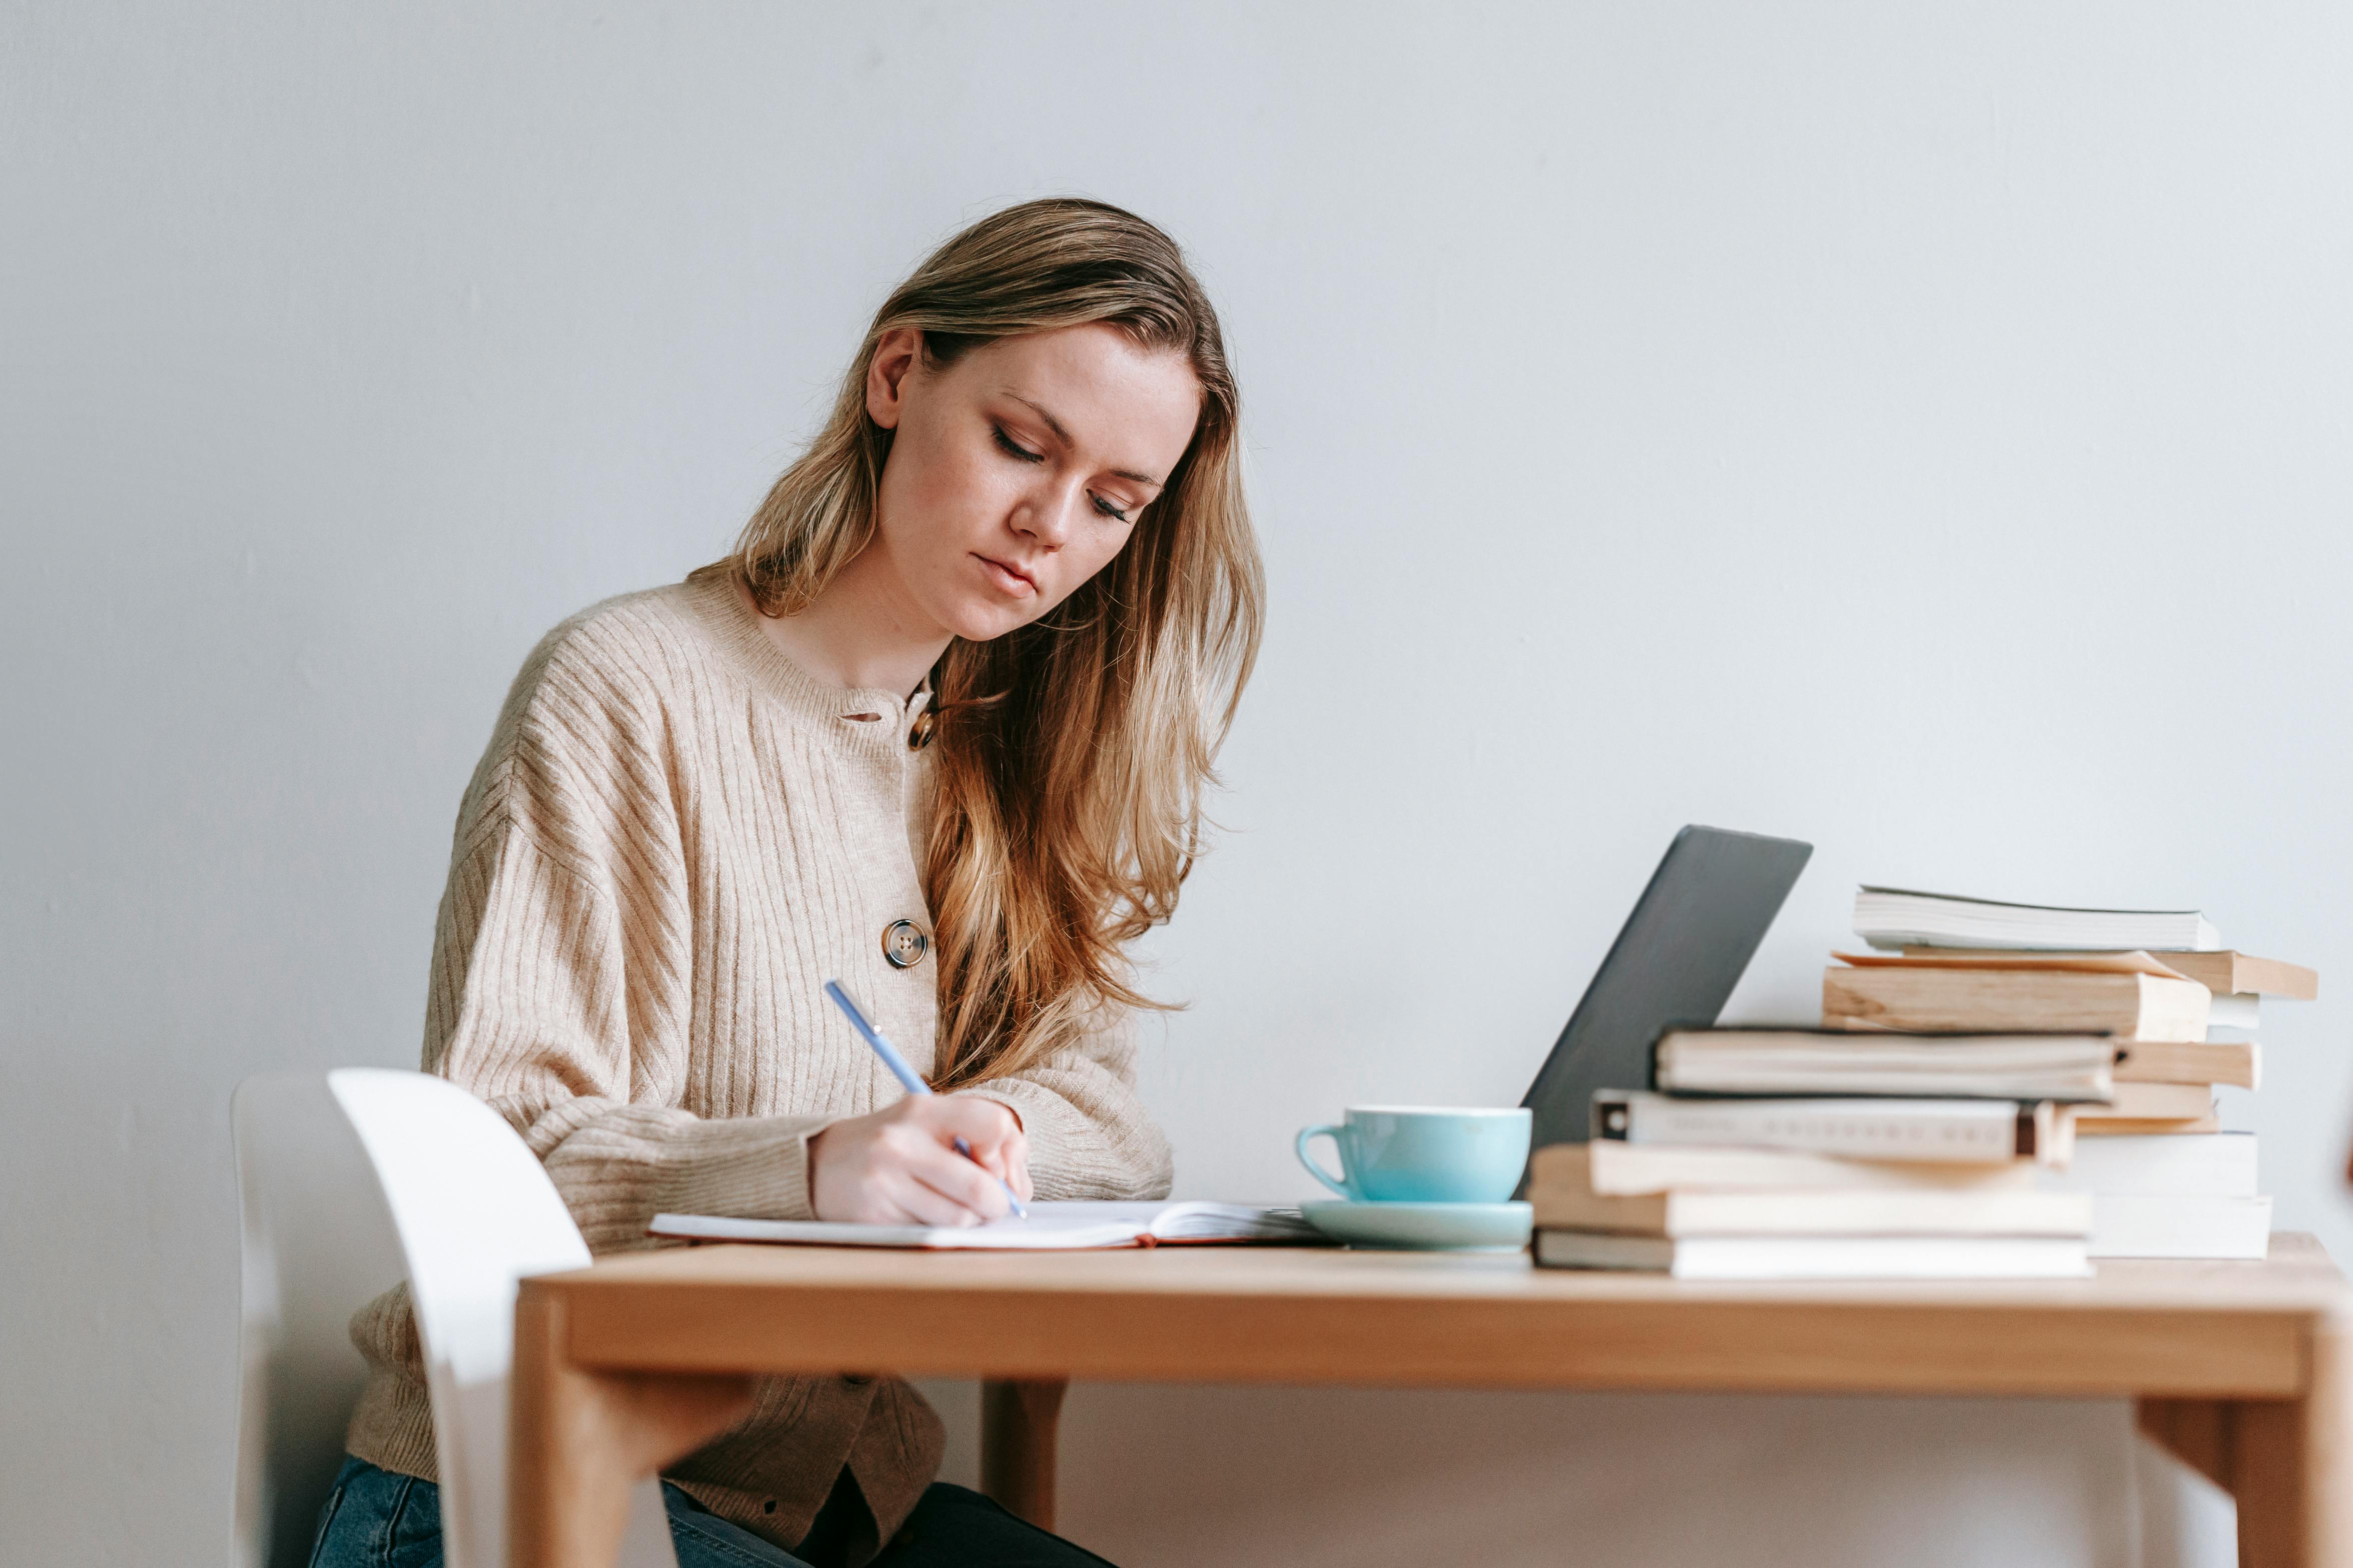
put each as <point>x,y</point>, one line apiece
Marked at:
<point>1006,578</point>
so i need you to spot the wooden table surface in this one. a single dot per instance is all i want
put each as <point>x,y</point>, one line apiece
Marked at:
<point>636,1360</point>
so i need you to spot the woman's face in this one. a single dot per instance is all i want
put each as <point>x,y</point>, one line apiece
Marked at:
<point>1016,472</point>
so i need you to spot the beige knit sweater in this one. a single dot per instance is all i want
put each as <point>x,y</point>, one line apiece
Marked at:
<point>675,835</point>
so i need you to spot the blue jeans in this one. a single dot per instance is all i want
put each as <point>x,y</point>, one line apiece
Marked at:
<point>374,1518</point>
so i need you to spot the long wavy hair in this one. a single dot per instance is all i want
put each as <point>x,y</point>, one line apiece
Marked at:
<point>1072,753</point>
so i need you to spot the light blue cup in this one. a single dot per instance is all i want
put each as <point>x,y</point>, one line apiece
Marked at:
<point>1429,1154</point>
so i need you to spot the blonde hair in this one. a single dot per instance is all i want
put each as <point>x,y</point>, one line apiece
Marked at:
<point>1072,753</point>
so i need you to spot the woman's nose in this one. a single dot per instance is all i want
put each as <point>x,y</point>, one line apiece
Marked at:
<point>1050,516</point>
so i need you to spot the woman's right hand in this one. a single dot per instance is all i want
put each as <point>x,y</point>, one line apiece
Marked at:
<point>899,1165</point>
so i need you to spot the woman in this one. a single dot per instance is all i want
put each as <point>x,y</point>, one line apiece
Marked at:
<point>939,727</point>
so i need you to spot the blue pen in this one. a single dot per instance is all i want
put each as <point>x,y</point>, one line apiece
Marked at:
<point>904,1074</point>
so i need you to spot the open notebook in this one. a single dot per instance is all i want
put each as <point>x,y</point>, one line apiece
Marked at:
<point>1049,1227</point>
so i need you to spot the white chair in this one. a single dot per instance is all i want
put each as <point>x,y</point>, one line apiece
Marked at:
<point>350,1180</point>
<point>318,1244</point>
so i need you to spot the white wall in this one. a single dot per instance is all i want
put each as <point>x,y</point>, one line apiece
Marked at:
<point>1920,429</point>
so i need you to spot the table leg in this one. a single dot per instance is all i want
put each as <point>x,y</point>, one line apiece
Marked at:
<point>2195,1431</point>
<point>578,1440</point>
<point>2293,1467</point>
<point>1019,1424</point>
<point>2288,1462</point>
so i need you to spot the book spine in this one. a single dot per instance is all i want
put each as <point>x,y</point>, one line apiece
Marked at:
<point>1626,1169</point>
<point>1859,1130</point>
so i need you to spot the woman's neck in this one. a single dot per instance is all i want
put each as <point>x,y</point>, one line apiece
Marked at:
<point>863,631</point>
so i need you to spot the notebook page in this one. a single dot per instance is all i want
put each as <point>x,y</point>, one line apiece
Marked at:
<point>1039,1232</point>
<point>1051,1227</point>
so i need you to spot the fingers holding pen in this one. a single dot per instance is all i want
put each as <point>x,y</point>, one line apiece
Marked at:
<point>972,1198</point>
<point>847,1174</point>
<point>950,1178</point>
<point>899,1165</point>
<point>994,1134</point>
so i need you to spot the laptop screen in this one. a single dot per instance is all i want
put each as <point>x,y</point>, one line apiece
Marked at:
<point>1675,963</point>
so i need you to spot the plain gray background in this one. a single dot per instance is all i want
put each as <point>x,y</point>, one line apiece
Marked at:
<point>1919,429</point>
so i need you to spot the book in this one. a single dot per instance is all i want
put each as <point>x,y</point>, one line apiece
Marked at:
<point>2225,1010</point>
<point>1050,1227</point>
<point>1916,958</point>
<point>2218,1165</point>
<point>1898,917</point>
<point>1835,1062</point>
<point>1915,995</point>
<point>2169,1197</point>
<point>2224,972</point>
<point>1940,1131</point>
<point>2239,1063</point>
<point>1611,1166</point>
<point>2180,1224</point>
<point>1852,1211</point>
<point>2140,1126</point>
<point>1821,1257</point>
<point>2233,1010</point>
<point>2150,1102</point>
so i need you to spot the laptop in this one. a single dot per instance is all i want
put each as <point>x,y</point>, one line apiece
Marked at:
<point>1675,964</point>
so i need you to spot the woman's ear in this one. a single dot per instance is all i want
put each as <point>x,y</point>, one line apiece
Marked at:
<point>886,376</point>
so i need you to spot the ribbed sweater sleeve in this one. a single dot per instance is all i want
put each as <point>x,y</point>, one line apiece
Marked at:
<point>561,962</point>
<point>1088,1135</point>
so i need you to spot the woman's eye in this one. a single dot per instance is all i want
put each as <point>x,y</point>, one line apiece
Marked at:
<point>1116,514</point>
<point>1013,448</point>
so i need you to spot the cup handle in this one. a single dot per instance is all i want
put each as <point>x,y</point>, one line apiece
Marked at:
<point>1299,1145</point>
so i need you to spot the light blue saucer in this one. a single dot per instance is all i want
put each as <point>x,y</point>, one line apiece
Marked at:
<point>1429,1227</point>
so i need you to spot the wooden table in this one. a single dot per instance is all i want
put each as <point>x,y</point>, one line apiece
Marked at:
<point>2239,1368</point>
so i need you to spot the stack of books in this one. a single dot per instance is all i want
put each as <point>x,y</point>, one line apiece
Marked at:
<point>2164,1180</point>
<point>2000,1091</point>
<point>1818,1154</point>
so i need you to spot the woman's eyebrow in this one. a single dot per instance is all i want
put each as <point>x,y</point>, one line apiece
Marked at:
<point>1063,434</point>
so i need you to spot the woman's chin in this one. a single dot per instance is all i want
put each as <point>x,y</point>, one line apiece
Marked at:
<point>976,621</point>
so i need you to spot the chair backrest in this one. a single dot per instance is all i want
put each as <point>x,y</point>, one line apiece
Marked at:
<point>318,1245</point>
<point>474,1213</point>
